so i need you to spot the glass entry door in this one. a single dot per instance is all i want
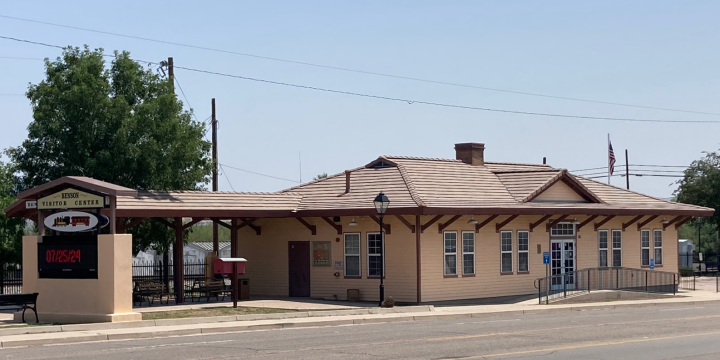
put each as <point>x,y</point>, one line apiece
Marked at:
<point>562,260</point>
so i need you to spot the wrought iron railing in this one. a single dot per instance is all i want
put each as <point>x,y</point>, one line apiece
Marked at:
<point>595,279</point>
<point>10,279</point>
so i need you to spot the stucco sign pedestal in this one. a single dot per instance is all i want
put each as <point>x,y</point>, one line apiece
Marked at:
<point>105,299</point>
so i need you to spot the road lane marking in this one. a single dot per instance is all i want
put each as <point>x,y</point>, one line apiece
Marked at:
<point>584,345</point>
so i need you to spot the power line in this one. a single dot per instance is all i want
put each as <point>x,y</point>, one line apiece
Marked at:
<point>260,174</point>
<point>19,58</point>
<point>355,70</point>
<point>443,104</point>
<point>226,177</point>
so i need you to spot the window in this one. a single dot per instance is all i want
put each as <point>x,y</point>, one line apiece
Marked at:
<point>645,247</point>
<point>468,252</point>
<point>375,258</point>
<point>657,244</point>
<point>352,255</point>
<point>506,256</point>
<point>563,229</point>
<point>523,251</point>
<point>603,248</point>
<point>450,252</point>
<point>617,247</point>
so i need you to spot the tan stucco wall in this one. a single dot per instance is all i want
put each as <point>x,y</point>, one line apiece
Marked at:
<point>267,255</point>
<point>95,299</point>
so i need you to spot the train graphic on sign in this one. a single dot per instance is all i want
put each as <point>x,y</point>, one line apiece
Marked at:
<point>72,221</point>
<point>75,221</point>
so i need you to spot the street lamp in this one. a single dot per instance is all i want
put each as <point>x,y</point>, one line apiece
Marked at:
<point>381,205</point>
<point>698,224</point>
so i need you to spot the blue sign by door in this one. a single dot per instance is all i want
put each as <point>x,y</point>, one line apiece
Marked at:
<point>652,264</point>
<point>546,257</point>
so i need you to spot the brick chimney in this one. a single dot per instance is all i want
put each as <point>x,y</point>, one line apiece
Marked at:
<point>470,153</point>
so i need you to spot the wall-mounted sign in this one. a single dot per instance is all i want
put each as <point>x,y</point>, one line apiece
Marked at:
<point>68,257</point>
<point>71,221</point>
<point>337,265</point>
<point>71,199</point>
<point>321,253</point>
<point>31,204</point>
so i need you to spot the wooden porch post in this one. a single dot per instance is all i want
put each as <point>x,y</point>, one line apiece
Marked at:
<point>178,268</point>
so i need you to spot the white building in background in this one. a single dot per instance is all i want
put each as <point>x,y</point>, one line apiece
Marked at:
<point>192,252</point>
<point>685,251</point>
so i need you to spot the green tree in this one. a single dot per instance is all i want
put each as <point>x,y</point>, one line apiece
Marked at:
<point>320,176</point>
<point>11,229</point>
<point>701,186</point>
<point>114,122</point>
<point>203,232</point>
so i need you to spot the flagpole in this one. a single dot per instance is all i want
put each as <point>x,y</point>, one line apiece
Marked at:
<point>608,147</point>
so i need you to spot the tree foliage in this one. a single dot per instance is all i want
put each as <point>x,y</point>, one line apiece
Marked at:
<point>114,122</point>
<point>320,176</point>
<point>11,229</point>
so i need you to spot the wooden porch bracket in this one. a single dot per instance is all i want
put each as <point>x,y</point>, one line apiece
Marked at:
<point>249,223</point>
<point>603,222</point>
<point>589,220</point>
<point>507,221</point>
<point>337,227</point>
<point>221,223</point>
<point>535,224</point>
<point>634,220</point>
<point>683,221</point>
<point>386,226</point>
<point>487,221</point>
<point>641,224</point>
<point>165,222</point>
<point>665,225</point>
<point>555,222</point>
<point>312,228</point>
<point>429,223</point>
<point>443,226</point>
<point>193,222</point>
<point>407,223</point>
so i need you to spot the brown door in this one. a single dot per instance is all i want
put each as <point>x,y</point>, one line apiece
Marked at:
<point>299,265</point>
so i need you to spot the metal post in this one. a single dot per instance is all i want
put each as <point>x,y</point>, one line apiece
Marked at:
<point>646,283</point>
<point>237,283</point>
<point>547,284</point>
<point>627,170</point>
<point>382,262</point>
<point>216,248</point>
<point>674,282</point>
<point>617,279</point>
<point>564,285</point>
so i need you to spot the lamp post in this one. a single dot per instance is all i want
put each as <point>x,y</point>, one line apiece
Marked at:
<point>381,204</point>
<point>698,224</point>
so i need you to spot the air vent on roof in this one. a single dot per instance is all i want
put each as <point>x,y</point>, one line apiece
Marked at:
<point>380,165</point>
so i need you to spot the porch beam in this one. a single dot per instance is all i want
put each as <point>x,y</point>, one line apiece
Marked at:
<point>507,221</point>
<point>485,222</point>
<point>643,223</point>
<point>312,228</point>
<point>555,222</point>
<point>674,220</point>
<point>589,220</point>
<point>385,225</point>
<point>249,223</point>
<point>683,221</point>
<point>634,220</point>
<point>337,227</point>
<point>407,223</point>
<point>193,222</point>
<point>221,223</point>
<point>429,223</point>
<point>603,222</point>
<point>165,222</point>
<point>443,226</point>
<point>542,220</point>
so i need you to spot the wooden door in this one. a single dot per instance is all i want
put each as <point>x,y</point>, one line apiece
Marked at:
<point>299,266</point>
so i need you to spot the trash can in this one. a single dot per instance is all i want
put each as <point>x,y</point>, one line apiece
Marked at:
<point>244,289</point>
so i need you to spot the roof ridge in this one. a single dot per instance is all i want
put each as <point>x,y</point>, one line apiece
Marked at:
<point>631,191</point>
<point>318,180</point>
<point>516,163</point>
<point>141,192</point>
<point>419,158</point>
<point>543,187</point>
<point>524,171</point>
<point>410,186</point>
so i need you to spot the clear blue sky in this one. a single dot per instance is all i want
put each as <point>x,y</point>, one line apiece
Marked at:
<point>652,53</point>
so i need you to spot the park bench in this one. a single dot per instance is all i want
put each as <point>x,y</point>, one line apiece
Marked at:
<point>20,301</point>
<point>149,291</point>
<point>207,287</point>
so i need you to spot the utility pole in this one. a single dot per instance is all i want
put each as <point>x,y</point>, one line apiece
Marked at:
<point>216,249</point>
<point>627,170</point>
<point>171,72</point>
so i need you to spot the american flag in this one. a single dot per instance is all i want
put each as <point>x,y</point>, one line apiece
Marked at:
<point>611,158</point>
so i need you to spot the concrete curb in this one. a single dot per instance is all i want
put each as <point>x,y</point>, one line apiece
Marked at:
<point>126,332</point>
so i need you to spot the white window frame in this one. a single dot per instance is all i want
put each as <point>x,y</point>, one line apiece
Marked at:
<point>643,248</point>
<point>367,244</point>
<point>520,251</point>
<point>605,249</point>
<point>612,236</point>
<point>656,248</point>
<point>506,252</point>
<point>446,253</point>
<point>471,233</point>
<point>358,255</point>
<point>558,229</point>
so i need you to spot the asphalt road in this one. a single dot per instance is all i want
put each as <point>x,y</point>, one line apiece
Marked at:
<point>672,332</point>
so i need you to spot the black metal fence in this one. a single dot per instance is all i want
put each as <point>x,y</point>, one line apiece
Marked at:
<point>691,261</point>
<point>594,279</point>
<point>10,279</point>
<point>155,271</point>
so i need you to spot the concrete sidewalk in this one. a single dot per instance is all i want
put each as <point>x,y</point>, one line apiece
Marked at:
<point>63,334</point>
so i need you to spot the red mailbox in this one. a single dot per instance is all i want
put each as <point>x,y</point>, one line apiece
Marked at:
<point>225,265</point>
